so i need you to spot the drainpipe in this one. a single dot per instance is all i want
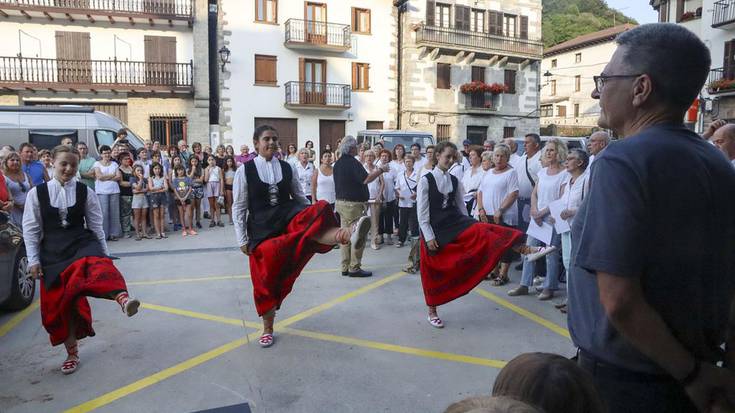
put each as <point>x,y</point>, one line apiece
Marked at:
<point>402,6</point>
<point>213,63</point>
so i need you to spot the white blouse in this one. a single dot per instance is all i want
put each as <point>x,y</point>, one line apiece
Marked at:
<point>61,197</point>
<point>270,173</point>
<point>444,185</point>
<point>406,185</point>
<point>495,188</point>
<point>471,181</point>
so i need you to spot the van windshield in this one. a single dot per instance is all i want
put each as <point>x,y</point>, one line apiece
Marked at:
<point>107,137</point>
<point>389,141</point>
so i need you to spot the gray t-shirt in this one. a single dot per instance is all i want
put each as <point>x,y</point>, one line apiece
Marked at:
<point>660,208</point>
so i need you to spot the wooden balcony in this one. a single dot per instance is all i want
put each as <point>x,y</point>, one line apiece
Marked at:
<point>313,95</point>
<point>723,14</point>
<point>317,35</point>
<point>480,43</point>
<point>39,74</point>
<point>124,12</point>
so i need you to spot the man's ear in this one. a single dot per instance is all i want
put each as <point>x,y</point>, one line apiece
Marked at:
<point>642,90</point>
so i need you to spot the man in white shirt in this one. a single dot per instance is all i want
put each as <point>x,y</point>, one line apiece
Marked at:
<point>416,152</point>
<point>724,139</point>
<point>466,156</point>
<point>598,142</point>
<point>527,167</point>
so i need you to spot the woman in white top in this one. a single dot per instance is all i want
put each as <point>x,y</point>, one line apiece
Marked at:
<point>292,154</point>
<point>304,172</point>
<point>547,189</point>
<point>375,189</point>
<point>322,182</point>
<point>390,201</point>
<point>214,179</point>
<point>107,175</point>
<point>573,192</point>
<point>472,178</point>
<point>398,165</point>
<point>406,184</point>
<point>496,202</point>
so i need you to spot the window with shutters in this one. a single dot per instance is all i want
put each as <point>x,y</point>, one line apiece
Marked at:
<point>510,81</point>
<point>462,17</point>
<point>374,124</point>
<point>477,21</point>
<point>360,77</point>
<point>561,111</point>
<point>524,27</point>
<point>553,63</point>
<point>509,25</point>
<point>663,12</point>
<point>360,21</point>
<point>578,58</point>
<point>265,70</point>
<point>679,9</point>
<point>553,88</point>
<point>443,132</point>
<point>576,110</point>
<point>168,129</point>
<point>443,75</point>
<point>728,69</point>
<point>547,111</point>
<point>478,73</point>
<point>73,56</point>
<point>495,22</point>
<point>577,83</point>
<point>442,17</point>
<point>266,11</point>
<point>509,132</point>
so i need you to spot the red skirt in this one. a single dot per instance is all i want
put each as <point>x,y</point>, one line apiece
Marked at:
<point>277,262</point>
<point>461,265</point>
<point>85,277</point>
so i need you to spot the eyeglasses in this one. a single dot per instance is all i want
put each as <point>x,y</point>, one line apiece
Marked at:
<point>600,80</point>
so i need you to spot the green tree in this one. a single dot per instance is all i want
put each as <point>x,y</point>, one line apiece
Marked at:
<point>566,19</point>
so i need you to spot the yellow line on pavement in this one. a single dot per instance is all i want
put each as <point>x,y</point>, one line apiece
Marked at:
<point>235,277</point>
<point>16,319</point>
<point>235,344</point>
<point>376,345</point>
<point>562,331</point>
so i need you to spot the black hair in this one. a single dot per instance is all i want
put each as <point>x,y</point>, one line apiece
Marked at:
<point>535,137</point>
<point>262,129</point>
<point>104,148</point>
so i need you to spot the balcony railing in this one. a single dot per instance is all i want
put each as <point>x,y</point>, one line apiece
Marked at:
<point>318,95</point>
<point>317,34</point>
<point>723,13</point>
<point>476,41</point>
<point>721,80</point>
<point>481,101</point>
<point>179,9</point>
<point>94,74</point>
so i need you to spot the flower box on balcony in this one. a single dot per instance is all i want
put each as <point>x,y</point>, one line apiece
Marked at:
<point>722,85</point>
<point>687,16</point>
<point>478,86</point>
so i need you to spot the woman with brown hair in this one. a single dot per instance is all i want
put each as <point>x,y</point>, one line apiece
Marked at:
<point>549,381</point>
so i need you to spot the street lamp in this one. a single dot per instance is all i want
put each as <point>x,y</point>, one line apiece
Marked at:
<point>224,56</point>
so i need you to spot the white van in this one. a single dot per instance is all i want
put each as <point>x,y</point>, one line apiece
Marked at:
<point>390,138</point>
<point>45,127</point>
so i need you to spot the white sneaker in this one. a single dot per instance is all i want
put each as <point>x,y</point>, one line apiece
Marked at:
<point>360,229</point>
<point>542,252</point>
<point>130,308</point>
<point>435,322</point>
<point>374,246</point>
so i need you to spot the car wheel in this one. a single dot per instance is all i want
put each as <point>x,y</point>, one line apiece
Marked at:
<point>24,287</point>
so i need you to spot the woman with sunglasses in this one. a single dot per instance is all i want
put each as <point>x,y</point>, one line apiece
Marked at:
<point>19,183</point>
<point>66,249</point>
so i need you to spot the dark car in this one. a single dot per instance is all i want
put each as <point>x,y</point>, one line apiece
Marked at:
<point>16,288</point>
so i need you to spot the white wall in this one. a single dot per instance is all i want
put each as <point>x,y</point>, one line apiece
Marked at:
<point>102,40</point>
<point>245,39</point>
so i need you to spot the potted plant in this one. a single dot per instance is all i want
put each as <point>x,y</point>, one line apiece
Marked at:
<point>690,15</point>
<point>721,85</point>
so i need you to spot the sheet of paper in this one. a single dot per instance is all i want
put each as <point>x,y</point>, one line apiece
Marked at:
<point>555,208</point>
<point>542,233</point>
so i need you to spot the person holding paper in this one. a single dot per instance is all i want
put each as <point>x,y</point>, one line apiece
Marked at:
<point>573,192</point>
<point>547,190</point>
<point>496,202</point>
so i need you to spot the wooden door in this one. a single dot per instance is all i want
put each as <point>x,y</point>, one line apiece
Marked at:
<point>728,61</point>
<point>313,76</point>
<point>315,15</point>
<point>160,60</point>
<point>73,56</point>
<point>478,75</point>
<point>330,131</point>
<point>286,127</point>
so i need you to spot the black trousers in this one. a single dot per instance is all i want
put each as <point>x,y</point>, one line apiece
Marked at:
<point>409,221</point>
<point>626,391</point>
<point>387,214</point>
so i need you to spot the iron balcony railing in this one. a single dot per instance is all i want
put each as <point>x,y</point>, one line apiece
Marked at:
<point>166,8</point>
<point>109,73</point>
<point>318,33</point>
<point>721,80</point>
<point>481,101</point>
<point>479,41</point>
<point>318,94</point>
<point>723,12</point>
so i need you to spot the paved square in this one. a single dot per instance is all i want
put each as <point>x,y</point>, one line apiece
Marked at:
<point>343,344</point>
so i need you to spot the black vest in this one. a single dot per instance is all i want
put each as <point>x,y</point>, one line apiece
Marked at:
<point>264,219</point>
<point>445,219</point>
<point>61,245</point>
